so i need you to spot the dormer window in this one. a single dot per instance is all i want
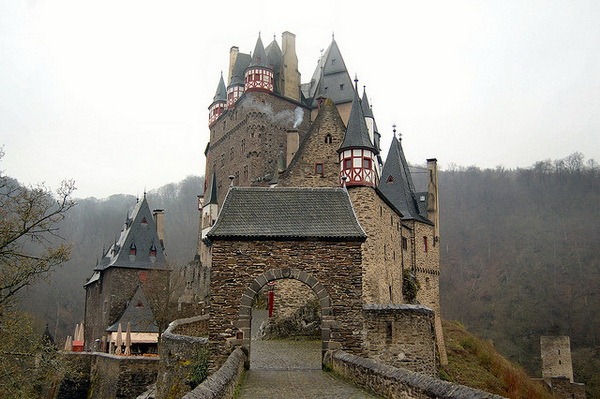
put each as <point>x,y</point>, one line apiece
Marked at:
<point>152,253</point>
<point>132,251</point>
<point>390,179</point>
<point>144,222</point>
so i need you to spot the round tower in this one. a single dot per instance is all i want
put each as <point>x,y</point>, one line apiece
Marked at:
<point>357,154</point>
<point>258,75</point>
<point>219,102</point>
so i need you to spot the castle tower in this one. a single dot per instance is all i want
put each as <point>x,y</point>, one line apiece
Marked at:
<point>274,61</point>
<point>357,154</point>
<point>258,75</point>
<point>556,357</point>
<point>219,102</point>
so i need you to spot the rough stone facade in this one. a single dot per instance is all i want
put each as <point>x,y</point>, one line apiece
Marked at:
<point>106,301</point>
<point>401,336</point>
<point>242,268</point>
<point>382,251</point>
<point>318,148</point>
<point>556,356</point>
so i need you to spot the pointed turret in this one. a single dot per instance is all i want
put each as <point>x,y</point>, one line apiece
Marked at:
<point>357,152</point>
<point>219,102</point>
<point>397,183</point>
<point>210,208</point>
<point>368,113</point>
<point>258,75</point>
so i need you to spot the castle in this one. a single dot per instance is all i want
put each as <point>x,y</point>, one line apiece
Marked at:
<point>296,189</point>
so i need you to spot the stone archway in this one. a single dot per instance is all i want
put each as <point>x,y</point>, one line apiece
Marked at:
<point>244,322</point>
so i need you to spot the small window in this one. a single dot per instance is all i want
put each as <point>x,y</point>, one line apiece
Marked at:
<point>366,163</point>
<point>342,86</point>
<point>390,179</point>
<point>388,331</point>
<point>325,89</point>
<point>319,168</point>
<point>404,243</point>
<point>328,139</point>
<point>348,163</point>
<point>425,248</point>
<point>333,61</point>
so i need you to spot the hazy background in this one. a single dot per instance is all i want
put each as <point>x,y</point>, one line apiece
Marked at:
<point>114,94</point>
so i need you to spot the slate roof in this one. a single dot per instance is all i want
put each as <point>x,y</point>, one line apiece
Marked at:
<point>330,79</point>
<point>287,213</point>
<point>396,183</point>
<point>211,192</point>
<point>139,232</point>
<point>357,134</point>
<point>365,104</point>
<point>221,93</point>
<point>138,313</point>
<point>259,56</point>
<point>239,68</point>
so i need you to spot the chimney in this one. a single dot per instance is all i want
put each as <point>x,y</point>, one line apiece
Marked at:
<point>233,53</point>
<point>291,75</point>
<point>433,203</point>
<point>293,141</point>
<point>159,221</point>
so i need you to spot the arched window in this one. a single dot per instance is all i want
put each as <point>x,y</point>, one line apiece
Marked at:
<point>328,139</point>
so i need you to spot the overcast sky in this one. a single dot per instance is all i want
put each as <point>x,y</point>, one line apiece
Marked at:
<point>114,94</point>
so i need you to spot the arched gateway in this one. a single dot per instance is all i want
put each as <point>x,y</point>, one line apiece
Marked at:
<point>266,234</point>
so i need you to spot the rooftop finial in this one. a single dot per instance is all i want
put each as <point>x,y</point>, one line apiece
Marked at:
<point>333,36</point>
<point>274,37</point>
<point>394,129</point>
<point>356,82</point>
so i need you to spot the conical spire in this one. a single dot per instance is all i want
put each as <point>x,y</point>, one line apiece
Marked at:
<point>221,94</point>
<point>357,134</point>
<point>259,56</point>
<point>396,182</point>
<point>211,197</point>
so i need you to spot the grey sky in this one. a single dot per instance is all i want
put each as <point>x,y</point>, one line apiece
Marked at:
<point>114,94</point>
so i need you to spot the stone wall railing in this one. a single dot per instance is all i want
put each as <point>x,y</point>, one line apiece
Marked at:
<point>392,382</point>
<point>179,354</point>
<point>222,383</point>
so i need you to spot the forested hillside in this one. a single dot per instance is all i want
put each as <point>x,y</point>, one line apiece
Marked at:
<point>520,254</point>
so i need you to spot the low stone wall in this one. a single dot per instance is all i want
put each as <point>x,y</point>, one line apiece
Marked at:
<point>401,336</point>
<point>121,376</point>
<point>180,355</point>
<point>222,383</point>
<point>392,382</point>
<point>100,375</point>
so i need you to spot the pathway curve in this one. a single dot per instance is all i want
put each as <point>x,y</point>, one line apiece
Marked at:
<point>289,369</point>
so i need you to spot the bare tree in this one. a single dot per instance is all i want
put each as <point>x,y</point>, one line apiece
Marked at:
<point>29,218</point>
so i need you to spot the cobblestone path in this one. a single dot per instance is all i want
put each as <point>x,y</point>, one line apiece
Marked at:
<point>291,370</point>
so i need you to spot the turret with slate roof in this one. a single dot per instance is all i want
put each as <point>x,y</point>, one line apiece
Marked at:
<point>258,75</point>
<point>397,184</point>
<point>210,207</point>
<point>357,153</point>
<point>219,102</point>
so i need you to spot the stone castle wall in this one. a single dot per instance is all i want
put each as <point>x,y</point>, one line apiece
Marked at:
<point>245,141</point>
<point>382,252</point>
<point>242,268</point>
<point>401,336</point>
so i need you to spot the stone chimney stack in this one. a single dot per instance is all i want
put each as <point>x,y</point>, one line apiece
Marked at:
<point>433,202</point>
<point>159,221</point>
<point>291,75</point>
<point>233,53</point>
<point>293,142</point>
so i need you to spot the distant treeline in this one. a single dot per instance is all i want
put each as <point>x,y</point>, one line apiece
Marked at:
<point>520,253</point>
